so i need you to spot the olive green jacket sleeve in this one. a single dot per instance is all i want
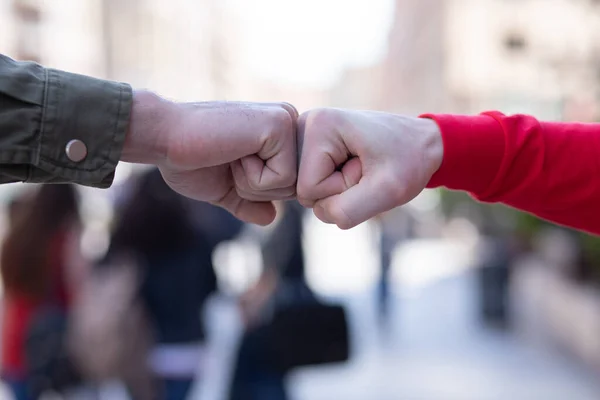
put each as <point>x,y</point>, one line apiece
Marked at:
<point>42,110</point>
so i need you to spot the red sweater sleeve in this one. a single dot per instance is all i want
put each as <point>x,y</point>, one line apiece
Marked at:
<point>547,168</point>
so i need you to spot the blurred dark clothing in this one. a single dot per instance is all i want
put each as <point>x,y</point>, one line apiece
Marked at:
<point>177,389</point>
<point>172,238</point>
<point>174,289</point>
<point>254,378</point>
<point>18,388</point>
<point>216,224</point>
<point>43,109</point>
<point>177,284</point>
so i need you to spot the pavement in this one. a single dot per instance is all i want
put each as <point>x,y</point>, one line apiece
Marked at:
<point>434,348</point>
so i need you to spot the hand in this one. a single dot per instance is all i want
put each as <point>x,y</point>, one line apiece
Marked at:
<point>240,156</point>
<point>355,165</point>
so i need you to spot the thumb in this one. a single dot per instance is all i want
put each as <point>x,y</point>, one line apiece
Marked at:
<point>255,212</point>
<point>373,195</point>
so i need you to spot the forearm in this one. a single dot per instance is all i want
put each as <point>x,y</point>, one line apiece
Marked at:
<point>548,169</point>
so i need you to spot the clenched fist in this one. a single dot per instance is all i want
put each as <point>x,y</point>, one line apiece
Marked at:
<point>355,165</point>
<point>240,156</point>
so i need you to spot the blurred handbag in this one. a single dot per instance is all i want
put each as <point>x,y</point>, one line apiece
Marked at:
<point>303,331</point>
<point>298,329</point>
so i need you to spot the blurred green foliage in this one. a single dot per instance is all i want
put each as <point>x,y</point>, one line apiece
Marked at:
<point>500,220</point>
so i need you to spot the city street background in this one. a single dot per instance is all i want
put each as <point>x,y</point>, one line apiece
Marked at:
<point>442,342</point>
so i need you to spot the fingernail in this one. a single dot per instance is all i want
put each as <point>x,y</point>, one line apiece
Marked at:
<point>291,109</point>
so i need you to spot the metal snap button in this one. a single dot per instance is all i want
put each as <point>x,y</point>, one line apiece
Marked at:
<point>76,150</point>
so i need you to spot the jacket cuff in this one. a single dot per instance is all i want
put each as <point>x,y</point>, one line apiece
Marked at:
<point>93,111</point>
<point>473,151</point>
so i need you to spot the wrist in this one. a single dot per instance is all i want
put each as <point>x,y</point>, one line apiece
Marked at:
<point>146,139</point>
<point>473,151</point>
<point>433,144</point>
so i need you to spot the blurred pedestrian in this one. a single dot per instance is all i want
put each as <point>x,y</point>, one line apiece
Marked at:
<point>395,226</point>
<point>286,325</point>
<point>37,270</point>
<point>254,377</point>
<point>157,227</point>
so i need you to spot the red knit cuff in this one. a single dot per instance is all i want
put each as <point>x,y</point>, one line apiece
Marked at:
<point>473,151</point>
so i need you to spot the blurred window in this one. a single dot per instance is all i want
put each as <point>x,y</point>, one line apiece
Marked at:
<point>27,10</point>
<point>28,15</point>
<point>515,42</point>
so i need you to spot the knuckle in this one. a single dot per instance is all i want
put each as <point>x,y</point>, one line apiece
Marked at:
<point>304,202</point>
<point>290,109</point>
<point>302,121</point>
<point>241,179</point>
<point>322,119</point>
<point>241,193</point>
<point>248,180</point>
<point>393,189</point>
<point>282,119</point>
<point>291,191</point>
<point>252,185</point>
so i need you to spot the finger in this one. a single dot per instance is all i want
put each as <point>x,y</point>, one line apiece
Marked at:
<point>321,215</point>
<point>243,186</point>
<point>322,151</point>
<point>336,183</point>
<point>370,197</point>
<point>261,213</point>
<point>277,172</point>
<point>265,196</point>
<point>275,165</point>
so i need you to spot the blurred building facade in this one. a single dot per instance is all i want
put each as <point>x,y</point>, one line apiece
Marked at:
<point>183,48</point>
<point>413,71</point>
<point>529,56</point>
<point>61,33</point>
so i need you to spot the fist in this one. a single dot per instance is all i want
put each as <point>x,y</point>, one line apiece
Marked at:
<point>240,156</point>
<point>355,165</point>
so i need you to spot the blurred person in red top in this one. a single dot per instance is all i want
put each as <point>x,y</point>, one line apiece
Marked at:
<point>35,262</point>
